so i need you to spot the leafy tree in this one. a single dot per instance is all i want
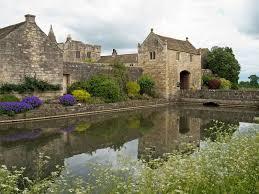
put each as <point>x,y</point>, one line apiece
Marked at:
<point>222,62</point>
<point>254,80</point>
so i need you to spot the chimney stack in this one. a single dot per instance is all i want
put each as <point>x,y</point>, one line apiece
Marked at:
<point>187,39</point>
<point>30,18</point>
<point>114,53</point>
<point>69,38</point>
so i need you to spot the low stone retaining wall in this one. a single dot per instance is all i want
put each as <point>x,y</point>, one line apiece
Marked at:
<point>50,111</point>
<point>228,98</point>
<point>221,94</point>
<point>42,95</point>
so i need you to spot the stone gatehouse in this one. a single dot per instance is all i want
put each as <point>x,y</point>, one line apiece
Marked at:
<point>174,64</point>
<point>25,50</point>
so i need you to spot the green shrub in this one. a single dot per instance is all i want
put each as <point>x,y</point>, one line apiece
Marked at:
<point>225,84</point>
<point>81,95</point>
<point>234,86</point>
<point>147,85</point>
<point>30,84</point>
<point>83,85</point>
<point>104,87</point>
<point>206,79</point>
<point>95,100</point>
<point>9,98</point>
<point>133,89</point>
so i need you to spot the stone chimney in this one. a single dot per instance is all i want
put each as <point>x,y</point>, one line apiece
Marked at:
<point>152,30</point>
<point>30,18</point>
<point>114,53</point>
<point>187,39</point>
<point>69,38</point>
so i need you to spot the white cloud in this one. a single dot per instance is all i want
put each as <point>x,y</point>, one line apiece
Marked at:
<point>122,24</point>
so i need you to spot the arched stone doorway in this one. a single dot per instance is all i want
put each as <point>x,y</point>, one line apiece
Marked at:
<point>185,80</point>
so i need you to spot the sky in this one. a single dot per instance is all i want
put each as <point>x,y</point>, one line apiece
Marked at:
<point>122,24</point>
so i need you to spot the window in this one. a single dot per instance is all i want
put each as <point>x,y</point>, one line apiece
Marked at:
<point>152,55</point>
<point>89,55</point>
<point>77,54</point>
<point>178,56</point>
<point>190,58</point>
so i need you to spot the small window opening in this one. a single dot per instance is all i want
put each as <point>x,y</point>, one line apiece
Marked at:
<point>77,54</point>
<point>152,55</point>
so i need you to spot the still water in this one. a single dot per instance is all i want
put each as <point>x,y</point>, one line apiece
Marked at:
<point>103,139</point>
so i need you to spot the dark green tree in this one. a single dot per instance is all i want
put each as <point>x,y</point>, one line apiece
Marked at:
<point>254,80</point>
<point>222,62</point>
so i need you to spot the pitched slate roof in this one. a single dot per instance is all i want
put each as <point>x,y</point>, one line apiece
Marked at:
<point>126,58</point>
<point>179,45</point>
<point>7,30</point>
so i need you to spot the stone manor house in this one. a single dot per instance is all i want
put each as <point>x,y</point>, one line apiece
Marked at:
<point>25,50</point>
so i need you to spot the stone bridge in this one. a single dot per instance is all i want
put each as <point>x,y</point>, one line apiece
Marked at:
<point>233,98</point>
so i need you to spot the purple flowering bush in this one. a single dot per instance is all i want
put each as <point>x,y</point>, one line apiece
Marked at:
<point>14,107</point>
<point>33,101</point>
<point>67,100</point>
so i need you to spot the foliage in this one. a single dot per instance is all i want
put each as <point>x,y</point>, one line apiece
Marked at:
<point>81,95</point>
<point>206,79</point>
<point>82,85</point>
<point>67,100</point>
<point>133,89</point>
<point>30,84</point>
<point>8,98</point>
<point>120,74</point>
<point>147,85</point>
<point>222,62</point>
<point>95,100</point>
<point>11,108</point>
<point>225,84</point>
<point>214,84</point>
<point>34,101</point>
<point>253,83</point>
<point>234,86</point>
<point>104,87</point>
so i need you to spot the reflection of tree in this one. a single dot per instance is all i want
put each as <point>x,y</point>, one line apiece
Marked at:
<point>215,128</point>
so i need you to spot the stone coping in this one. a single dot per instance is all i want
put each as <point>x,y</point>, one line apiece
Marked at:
<point>74,111</point>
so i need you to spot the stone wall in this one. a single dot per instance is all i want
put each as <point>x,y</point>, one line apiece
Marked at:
<point>56,110</point>
<point>84,71</point>
<point>221,94</point>
<point>27,51</point>
<point>48,95</point>
<point>175,67</point>
<point>156,68</point>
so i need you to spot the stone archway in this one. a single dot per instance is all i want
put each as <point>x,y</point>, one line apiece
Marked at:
<point>185,80</point>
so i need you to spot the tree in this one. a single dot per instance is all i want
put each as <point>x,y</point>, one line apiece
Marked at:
<point>222,61</point>
<point>254,80</point>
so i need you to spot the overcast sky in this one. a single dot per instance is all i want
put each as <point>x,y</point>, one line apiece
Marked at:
<point>121,24</point>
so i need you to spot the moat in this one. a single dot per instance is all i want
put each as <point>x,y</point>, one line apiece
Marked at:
<point>104,139</point>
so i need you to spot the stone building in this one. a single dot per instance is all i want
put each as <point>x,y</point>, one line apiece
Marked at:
<point>79,52</point>
<point>129,60</point>
<point>173,64</point>
<point>25,50</point>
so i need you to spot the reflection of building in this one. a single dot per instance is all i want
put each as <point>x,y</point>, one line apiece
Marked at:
<point>170,129</point>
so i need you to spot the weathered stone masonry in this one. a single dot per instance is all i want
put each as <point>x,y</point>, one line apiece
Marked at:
<point>25,50</point>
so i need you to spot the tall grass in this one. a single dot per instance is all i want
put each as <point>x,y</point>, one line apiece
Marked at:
<point>227,165</point>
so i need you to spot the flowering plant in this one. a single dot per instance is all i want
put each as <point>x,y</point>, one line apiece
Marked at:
<point>67,100</point>
<point>14,107</point>
<point>33,101</point>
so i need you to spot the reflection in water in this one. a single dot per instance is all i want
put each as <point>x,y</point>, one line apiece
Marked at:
<point>78,142</point>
